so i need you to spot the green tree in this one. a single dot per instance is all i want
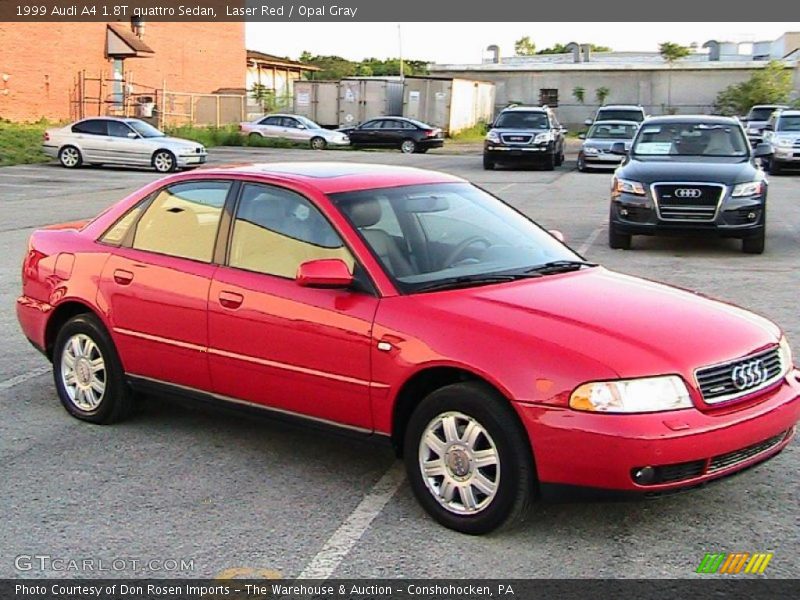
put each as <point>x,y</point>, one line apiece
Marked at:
<point>330,67</point>
<point>524,47</point>
<point>770,85</point>
<point>562,49</point>
<point>601,94</point>
<point>672,52</point>
<point>579,93</point>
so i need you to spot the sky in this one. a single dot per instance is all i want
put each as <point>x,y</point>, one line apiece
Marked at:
<point>467,42</point>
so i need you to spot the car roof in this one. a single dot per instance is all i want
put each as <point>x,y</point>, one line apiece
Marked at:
<point>105,118</point>
<point>525,109</point>
<point>332,177</point>
<point>619,106</point>
<point>616,122</point>
<point>793,112</point>
<point>768,106</point>
<point>692,119</point>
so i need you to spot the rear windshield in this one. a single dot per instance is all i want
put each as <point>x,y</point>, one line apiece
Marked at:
<point>614,114</point>
<point>522,120</point>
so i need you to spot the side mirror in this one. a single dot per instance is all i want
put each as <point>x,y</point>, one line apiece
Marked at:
<point>762,150</point>
<point>301,126</point>
<point>587,122</point>
<point>581,136</point>
<point>324,273</point>
<point>619,148</point>
<point>133,135</point>
<point>557,234</point>
<point>769,127</point>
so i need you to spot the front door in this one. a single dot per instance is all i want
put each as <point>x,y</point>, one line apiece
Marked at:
<point>156,285</point>
<point>272,342</point>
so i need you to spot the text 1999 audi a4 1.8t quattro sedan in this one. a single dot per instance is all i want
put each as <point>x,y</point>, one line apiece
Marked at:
<point>411,305</point>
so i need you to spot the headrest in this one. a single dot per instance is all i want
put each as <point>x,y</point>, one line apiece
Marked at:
<point>364,213</point>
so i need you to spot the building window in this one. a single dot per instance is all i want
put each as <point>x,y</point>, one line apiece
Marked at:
<point>548,96</point>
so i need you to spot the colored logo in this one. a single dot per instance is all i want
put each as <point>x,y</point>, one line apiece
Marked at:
<point>735,563</point>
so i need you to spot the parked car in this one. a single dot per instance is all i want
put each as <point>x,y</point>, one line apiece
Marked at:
<point>618,112</point>
<point>525,135</point>
<point>690,175</point>
<point>294,128</point>
<point>782,133</point>
<point>757,119</point>
<point>412,306</point>
<point>409,135</point>
<point>120,141</point>
<point>596,149</point>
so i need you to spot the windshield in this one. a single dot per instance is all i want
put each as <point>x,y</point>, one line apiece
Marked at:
<point>522,120</point>
<point>425,234</point>
<point>612,131</point>
<point>308,123</point>
<point>145,129</point>
<point>690,139</point>
<point>760,114</point>
<point>789,123</point>
<point>613,114</point>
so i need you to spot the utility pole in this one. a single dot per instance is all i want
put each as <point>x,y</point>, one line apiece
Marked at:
<point>400,44</point>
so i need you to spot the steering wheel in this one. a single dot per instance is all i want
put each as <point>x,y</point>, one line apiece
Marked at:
<point>459,250</point>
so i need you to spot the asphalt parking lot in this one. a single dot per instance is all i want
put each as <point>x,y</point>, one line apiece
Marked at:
<point>240,496</point>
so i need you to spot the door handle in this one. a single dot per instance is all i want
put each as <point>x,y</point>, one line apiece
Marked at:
<point>230,299</point>
<point>123,277</point>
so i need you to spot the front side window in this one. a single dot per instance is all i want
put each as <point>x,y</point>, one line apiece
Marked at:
<point>144,129</point>
<point>276,230</point>
<point>183,220</point>
<point>691,139</point>
<point>522,120</point>
<point>118,129</point>
<point>424,234</point>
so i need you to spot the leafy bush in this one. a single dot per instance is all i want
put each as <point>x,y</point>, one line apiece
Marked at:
<point>770,85</point>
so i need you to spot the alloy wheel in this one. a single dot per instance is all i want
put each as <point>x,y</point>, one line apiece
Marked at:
<point>163,162</point>
<point>70,157</point>
<point>83,372</point>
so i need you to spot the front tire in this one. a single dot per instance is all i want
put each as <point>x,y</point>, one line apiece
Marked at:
<point>488,164</point>
<point>581,164</point>
<point>468,458</point>
<point>550,162</point>
<point>618,240</point>
<point>775,167</point>
<point>70,157</point>
<point>755,244</point>
<point>318,143</point>
<point>164,161</point>
<point>88,373</point>
<point>408,147</point>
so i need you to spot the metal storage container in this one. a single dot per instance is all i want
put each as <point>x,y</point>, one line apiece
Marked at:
<point>318,100</point>
<point>363,98</point>
<point>449,103</point>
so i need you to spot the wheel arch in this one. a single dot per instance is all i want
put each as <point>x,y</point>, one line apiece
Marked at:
<point>60,315</point>
<point>162,149</point>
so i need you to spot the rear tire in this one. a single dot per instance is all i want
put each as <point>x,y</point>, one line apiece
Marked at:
<point>451,430</point>
<point>408,147</point>
<point>618,240</point>
<point>756,244</point>
<point>488,164</point>
<point>70,157</point>
<point>88,373</point>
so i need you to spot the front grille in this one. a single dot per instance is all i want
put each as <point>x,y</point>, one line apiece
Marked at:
<point>723,461</point>
<point>516,138</point>
<point>739,377</point>
<point>687,201</point>
<point>679,472</point>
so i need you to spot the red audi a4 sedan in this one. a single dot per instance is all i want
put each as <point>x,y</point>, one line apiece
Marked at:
<point>413,305</point>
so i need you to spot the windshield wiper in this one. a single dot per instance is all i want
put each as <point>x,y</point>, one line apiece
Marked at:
<point>473,280</point>
<point>560,266</point>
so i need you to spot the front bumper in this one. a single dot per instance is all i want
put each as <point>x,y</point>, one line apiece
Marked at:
<point>735,217</point>
<point>500,152</point>
<point>786,155</point>
<point>585,451</point>
<point>604,159</point>
<point>187,160</point>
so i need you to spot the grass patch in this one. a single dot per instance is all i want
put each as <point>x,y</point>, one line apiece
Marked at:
<point>21,143</point>
<point>476,133</point>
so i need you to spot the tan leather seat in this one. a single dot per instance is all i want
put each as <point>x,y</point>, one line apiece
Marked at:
<point>364,214</point>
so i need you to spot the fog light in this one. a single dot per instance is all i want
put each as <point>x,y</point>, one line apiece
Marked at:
<point>623,212</point>
<point>644,475</point>
<point>751,215</point>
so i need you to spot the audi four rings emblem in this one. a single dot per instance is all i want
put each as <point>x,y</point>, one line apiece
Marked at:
<point>749,374</point>
<point>688,193</point>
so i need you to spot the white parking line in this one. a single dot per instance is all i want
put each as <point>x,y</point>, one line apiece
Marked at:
<point>343,539</point>
<point>589,241</point>
<point>9,383</point>
<point>508,186</point>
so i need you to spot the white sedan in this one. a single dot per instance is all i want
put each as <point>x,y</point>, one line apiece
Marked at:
<point>119,141</point>
<point>294,128</point>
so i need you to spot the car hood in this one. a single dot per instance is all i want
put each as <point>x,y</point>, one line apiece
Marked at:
<point>690,169</point>
<point>633,326</point>
<point>755,124</point>
<point>792,136</point>
<point>329,134</point>
<point>173,142</point>
<point>604,144</point>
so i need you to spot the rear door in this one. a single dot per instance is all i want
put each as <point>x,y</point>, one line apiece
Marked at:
<point>392,132</point>
<point>271,127</point>
<point>367,134</point>
<point>157,280</point>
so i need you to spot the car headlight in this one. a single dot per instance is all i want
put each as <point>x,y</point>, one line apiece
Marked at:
<point>493,137</point>
<point>625,186</point>
<point>751,188</point>
<point>754,130</point>
<point>649,394</point>
<point>543,138</point>
<point>784,143</point>
<point>785,352</point>
<point>591,151</point>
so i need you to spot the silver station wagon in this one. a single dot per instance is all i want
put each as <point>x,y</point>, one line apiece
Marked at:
<point>119,141</point>
<point>596,149</point>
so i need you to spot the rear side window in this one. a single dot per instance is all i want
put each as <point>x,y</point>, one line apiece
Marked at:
<point>372,125</point>
<point>276,230</point>
<point>183,220</point>
<point>116,234</point>
<point>91,127</point>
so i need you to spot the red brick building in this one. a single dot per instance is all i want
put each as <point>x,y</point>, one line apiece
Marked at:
<point>40,62</point>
